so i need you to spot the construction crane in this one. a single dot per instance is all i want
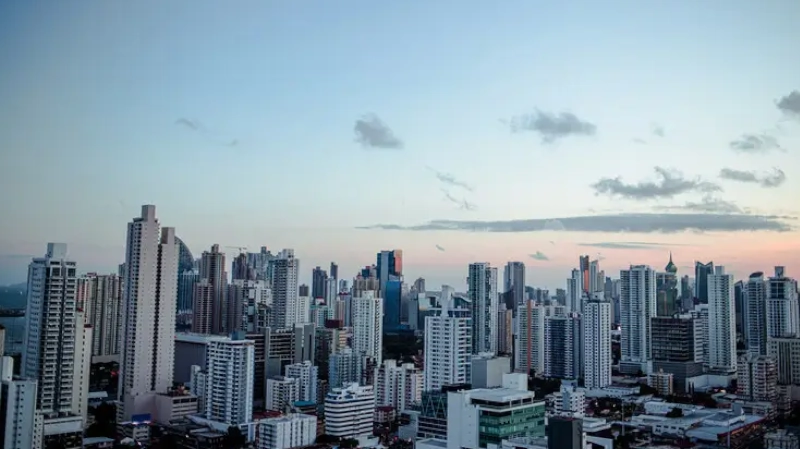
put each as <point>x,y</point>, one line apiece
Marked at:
<point>242,249</point>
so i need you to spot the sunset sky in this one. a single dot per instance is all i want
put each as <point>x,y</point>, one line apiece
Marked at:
<point>458,131</point>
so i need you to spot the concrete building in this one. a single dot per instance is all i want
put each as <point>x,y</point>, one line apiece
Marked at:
<point>483,298</point>
<point>597,343</point>
<point>18,429</point>
<point>514,282</point>
<point>781,439</point>
<point>566,433</point>
<point>398,385</point>
<point>529,351</point>
<point>569,401</point>
<point>563,346</point>
<point>285,269</point>
<point>229,383</point>
<point>472,422</point>
<point>282,392</point>
<point>786,352</point>
<point>676,346</point>
<point>754,320</point>
<point>757,378</point>
<point>662,382</point>
<point>307,376</point>
<point>254,297</point>
<point>349,411</point>
<point>210,311</point>
<point>285,432</point>
<point>488,370</point>
<point>637,306</point>
<point>53,330</point>
<point>149,307</point>
<point>448,346</point>
<point>102,298</point>
<point>783,319</point>
<point>721,322</point>
<point>368,325</point>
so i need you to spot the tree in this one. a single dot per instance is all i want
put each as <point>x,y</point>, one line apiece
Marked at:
<point>348,443</point>
<point>234,439</point>
<point>676,412</point>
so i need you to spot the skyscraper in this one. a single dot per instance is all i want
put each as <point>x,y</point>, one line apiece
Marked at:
<point>318,280</point>
<point>104,305</point>
<point>754,310</point>
<point>448,346</point>
<point>514,282</point>
<point>574,300</point>
<point>701,273</point>
<point>597,343</point>
<point>212,271</point>
<point>334,272</point>
<point>782,306</point>
<point>389,264</point>
<point>51,335</point>
<point>721,322</point>
<point>637,306</point>
<point>583,267</point>
<point>229,381</point>
<point>149,302</point>
<point>284,286</point>
<point>482,293</point>
<point>368,325</point>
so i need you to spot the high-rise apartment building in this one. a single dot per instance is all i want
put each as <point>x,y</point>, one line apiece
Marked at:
<point>229,381</point>
<point>213,274</point>
<point>782,318</point>
<point>282,392</point>
<point>637,306</point>
<point>285,432</point>
<point>349,411</point>
<point>307,376</point>
<point>482,294</point>
<point>575,293</point>
<point>448,346</point>
<point>721,321</point>
<point>18,429</point>
<point>583,267</point>
<point>51,331</point>
<point>597,343</point>
<point>757,378</point>
<point>103,306</point>
<point>285,269</point>
<point>56,349</point>
<point>754,314</point>
<point>149,303</point>
<point>563,346</point>
<point>398,385</point>
<point>368,325</point>
<point>677,347</point>
<point>529,349</point>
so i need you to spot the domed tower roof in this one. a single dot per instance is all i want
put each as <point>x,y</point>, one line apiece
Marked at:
<point>671,268</point>
<point>185,258</point>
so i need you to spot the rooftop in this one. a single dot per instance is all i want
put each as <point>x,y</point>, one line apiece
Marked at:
<point>499,394</point>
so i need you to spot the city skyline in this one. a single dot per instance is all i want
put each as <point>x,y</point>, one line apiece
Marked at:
<point>475,122</point>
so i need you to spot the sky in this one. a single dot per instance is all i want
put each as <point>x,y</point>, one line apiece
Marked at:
<point>458,131</point>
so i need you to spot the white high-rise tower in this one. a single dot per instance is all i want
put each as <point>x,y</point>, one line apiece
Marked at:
<point>482,293</point>
<point>368,325</point>
<point>782,307</point>
<point>754,314</point>
<point>637,306</point>
<point>721,322</point>
<point>149,302</point>
<point>54,348</point>
<point>448,346</point>
<point>597,343</point>
<point>284,288</point>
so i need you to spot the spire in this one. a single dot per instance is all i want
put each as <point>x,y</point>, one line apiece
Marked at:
<point>671,268</point>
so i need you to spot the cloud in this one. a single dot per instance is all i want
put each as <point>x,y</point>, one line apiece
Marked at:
<point>755,143</point>
<point>440,248</point>
<point>447,178</point>
<point>643,223</point>
<point>372,132</point>
<point>552,127</point>
<point>709,204</point>
<point>627,245</point>
<point>790,104</point>
<point>640,141</point>
<point>657,130</point>
<point>670,184</point>
<point>462,204</point>
<point>768,180</point>
<point>538,255</point>
<point>192,124</point>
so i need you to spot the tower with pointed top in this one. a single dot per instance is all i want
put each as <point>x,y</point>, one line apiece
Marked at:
<point>667,300</point>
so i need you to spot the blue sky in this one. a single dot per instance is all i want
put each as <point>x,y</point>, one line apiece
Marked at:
<point>92,92</point>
